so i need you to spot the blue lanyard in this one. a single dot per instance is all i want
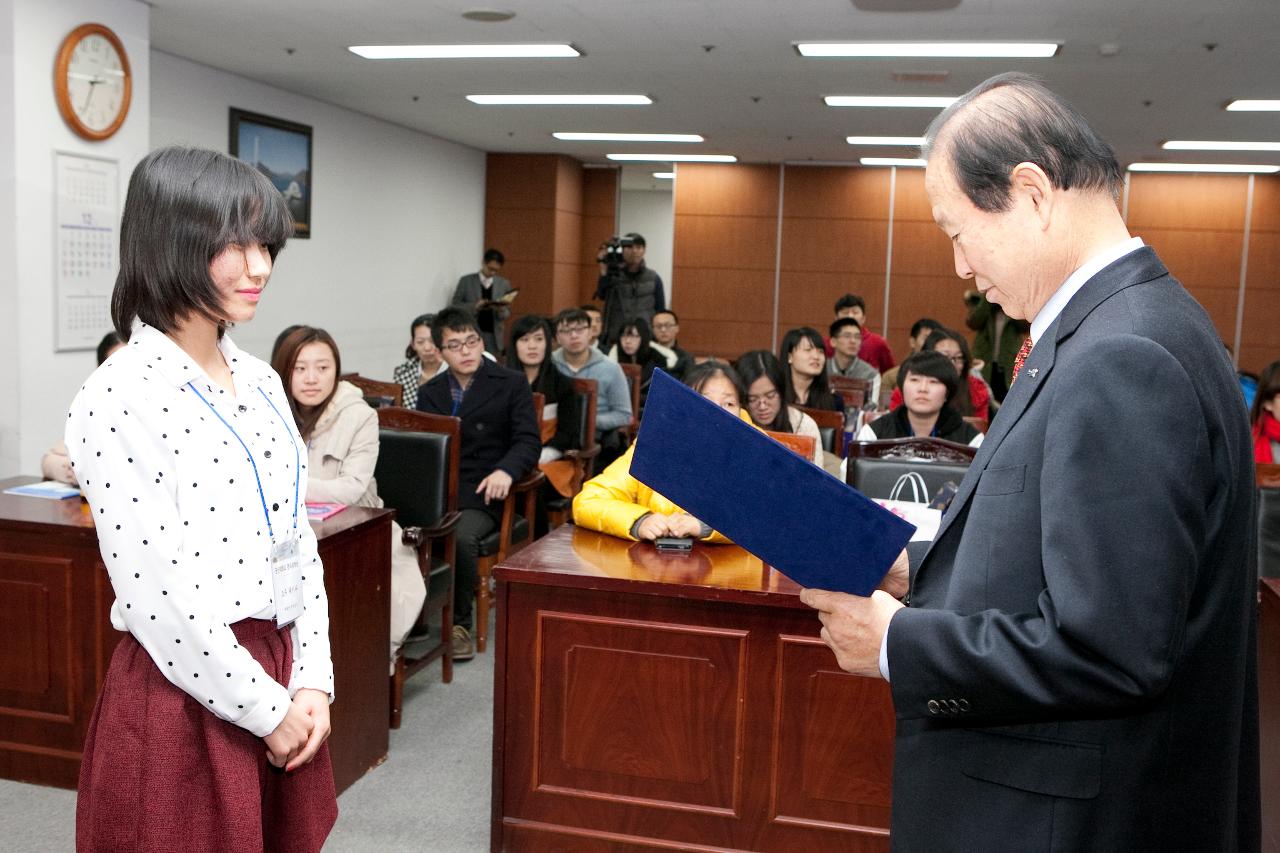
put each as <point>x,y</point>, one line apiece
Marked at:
<point>296,458</point>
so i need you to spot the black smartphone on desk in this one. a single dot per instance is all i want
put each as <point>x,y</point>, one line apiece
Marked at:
<point>674,544</point>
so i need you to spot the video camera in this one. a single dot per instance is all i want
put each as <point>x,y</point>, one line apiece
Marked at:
<point>612,257</point>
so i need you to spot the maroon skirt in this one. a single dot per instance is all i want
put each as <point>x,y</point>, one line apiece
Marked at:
<point>162,773</point>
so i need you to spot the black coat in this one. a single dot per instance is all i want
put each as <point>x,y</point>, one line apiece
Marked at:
<point>558,388</point>
<point>499,429</point>
<point>950,425</point>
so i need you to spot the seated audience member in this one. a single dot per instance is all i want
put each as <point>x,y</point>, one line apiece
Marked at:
<point>595,314</point>
<point>424,361</point>
<point>1266,416</point>
<point>973,397</point>
<point>875,349</point>
<point>55,465</point>
<point>500,445</point>
<point>996,341</point>
<point>666,332</point>
<point>634,346</point>
<point>928,384</point>
<point>341,433</point>
<point>577,359</point>
<point>761,373</point>
<point>616,503</point>
<point>846,340</point>
<point>807,371</point>
<point>530,353</point>
<point>920,330</point>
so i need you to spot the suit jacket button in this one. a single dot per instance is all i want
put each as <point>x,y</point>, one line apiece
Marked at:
<point>964,705</point>
<point>933,706</point>
<point>954,706</point>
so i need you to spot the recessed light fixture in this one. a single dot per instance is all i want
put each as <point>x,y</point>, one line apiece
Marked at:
<point>1232,168</point>
<point>906,162</point>
<point>560,100</point>
<point>888,101</point>
<point>674,158</point>
<point>1209,145</point>
<point>629,137</point>
<point>465,51</point>
<point>941,49</point>
<point>666,176</point>
<point>1254,106</point>
<point>916,141</point>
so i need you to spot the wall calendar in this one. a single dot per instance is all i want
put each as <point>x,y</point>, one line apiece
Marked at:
<point>86,240</point>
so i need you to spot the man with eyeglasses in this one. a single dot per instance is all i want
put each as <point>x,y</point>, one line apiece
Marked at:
<point>666,329</point>
<point>578,359</point>
<point>500,445</point>
<point>846,339</point>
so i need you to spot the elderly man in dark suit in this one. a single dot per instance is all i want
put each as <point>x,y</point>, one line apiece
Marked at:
<point>1076,667</point>
<point>500,444</point>
<point>481,293</point>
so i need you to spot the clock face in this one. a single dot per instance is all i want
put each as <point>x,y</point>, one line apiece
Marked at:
<point>93,82</point>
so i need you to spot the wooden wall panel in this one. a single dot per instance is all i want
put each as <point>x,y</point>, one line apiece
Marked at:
<point>1191,202</point>
<point>725,256</point>
<point>1260,338</point>
<point>836,192</point>
<point>923,278</point>
<point>808,297</point>
<point>599,222</point>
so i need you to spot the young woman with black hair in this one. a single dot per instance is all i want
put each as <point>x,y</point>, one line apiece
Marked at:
<point>635,346</point>
<point>209,732</point>
<point>765,384</point>
<point>973,396</point>
<point>423,360</point>
<point>806,378</point>
<point>927,383</point>
<point>530,352</point>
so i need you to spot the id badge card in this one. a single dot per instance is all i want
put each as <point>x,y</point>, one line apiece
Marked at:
<point>286,580</point>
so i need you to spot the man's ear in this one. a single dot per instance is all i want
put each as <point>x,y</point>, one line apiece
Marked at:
<point>1029,182</point>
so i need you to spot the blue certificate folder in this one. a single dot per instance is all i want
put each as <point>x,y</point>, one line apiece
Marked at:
<point>784,509</point>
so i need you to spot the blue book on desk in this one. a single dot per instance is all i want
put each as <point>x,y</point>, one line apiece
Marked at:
<point>784,509</point>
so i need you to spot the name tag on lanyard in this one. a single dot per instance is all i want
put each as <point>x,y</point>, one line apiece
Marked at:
<point>286,579</point>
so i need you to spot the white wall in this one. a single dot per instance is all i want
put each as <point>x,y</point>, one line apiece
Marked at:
<point>652,214</point>
<point>40,381</point>
<point>396,216</point>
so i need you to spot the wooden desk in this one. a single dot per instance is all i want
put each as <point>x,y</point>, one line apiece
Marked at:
<point>645,701</point>
<point>1269,711</point>
<point>56,637</point>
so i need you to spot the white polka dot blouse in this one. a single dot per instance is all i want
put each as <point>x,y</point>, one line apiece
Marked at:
<point>184,531</point>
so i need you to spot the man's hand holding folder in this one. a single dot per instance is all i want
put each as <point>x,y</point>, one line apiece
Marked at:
<point>854,626</point>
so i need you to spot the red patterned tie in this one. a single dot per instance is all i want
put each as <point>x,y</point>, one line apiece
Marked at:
<point>1020,358</point>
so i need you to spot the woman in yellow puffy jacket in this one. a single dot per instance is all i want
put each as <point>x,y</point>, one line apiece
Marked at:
<point>616,503</point>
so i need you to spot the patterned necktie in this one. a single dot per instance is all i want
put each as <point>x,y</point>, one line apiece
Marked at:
<point>1019,359</point>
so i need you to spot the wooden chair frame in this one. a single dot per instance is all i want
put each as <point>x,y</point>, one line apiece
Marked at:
<point>441,537</point>
<point>377,389</point>
<point>829,419</point>
<point>528,488</point>
<point>633,374</point>
<point>854,392</point>
<point>916,447</point>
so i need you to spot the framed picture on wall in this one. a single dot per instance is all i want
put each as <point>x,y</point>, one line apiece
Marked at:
<point>281,150</point>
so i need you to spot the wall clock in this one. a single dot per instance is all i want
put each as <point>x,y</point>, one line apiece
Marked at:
<point>92,81</point>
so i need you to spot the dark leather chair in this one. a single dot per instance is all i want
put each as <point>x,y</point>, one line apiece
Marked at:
<point>875,466</point>
<point>583,456</point>
<point>376,393</point>
<point>417,475</point>
<point>830,428</point>
<point>1268,478</point>
<point>633,374</point>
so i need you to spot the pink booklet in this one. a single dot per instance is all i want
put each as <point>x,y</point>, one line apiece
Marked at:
<point>322,511</point>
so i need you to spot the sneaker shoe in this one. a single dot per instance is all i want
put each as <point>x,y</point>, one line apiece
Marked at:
<point>463,648</point>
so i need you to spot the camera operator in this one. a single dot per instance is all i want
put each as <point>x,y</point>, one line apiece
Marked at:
<point>628,288</point>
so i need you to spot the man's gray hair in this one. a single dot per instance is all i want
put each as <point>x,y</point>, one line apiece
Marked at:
<point>1013,118</point>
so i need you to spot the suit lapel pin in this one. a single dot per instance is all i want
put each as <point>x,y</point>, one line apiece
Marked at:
<point>1032,371</point>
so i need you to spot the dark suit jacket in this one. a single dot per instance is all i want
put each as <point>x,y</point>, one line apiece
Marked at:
<point>1076,669</point>
<point>499,429</point>
<point>468,294</point>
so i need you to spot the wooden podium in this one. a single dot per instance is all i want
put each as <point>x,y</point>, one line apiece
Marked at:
<point>55,601</point>
<point>648,701</point>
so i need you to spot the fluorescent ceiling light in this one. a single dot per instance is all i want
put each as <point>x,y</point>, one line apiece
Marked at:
<point>674,158</point>
<point>629,137</point>
<point>1235,168</point>
<point>666,176</point>
<point>976,49</point>
<point>916,141</point>
<point>887,101</point>
<point>1254,106</point>
<point>906,162</point>
<point>560,100</point>
<point>1208,145</point>
<point>465,51</point>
